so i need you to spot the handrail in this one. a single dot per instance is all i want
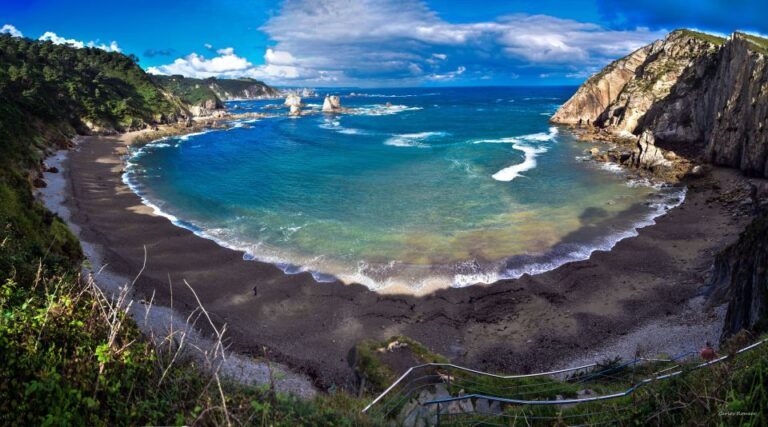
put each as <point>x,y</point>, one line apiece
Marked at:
<point>498,376</point>
<point>594,398</point>
<point>474,371</point>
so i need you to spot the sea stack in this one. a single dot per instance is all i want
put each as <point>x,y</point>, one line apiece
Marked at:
<point>331,104</point>
<point>293,102</point>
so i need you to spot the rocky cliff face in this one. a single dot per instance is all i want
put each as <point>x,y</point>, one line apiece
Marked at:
<point>741,277</point>
<point>601,90</point>
<point>232,89</point>
<point>696,93</point>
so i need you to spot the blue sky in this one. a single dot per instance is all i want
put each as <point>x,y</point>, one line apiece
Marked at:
<point>377,42</point>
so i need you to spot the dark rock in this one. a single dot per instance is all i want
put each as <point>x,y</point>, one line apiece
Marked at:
<point>740,276</point>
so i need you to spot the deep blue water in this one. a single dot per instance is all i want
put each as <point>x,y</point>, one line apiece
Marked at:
<point>410,190</point>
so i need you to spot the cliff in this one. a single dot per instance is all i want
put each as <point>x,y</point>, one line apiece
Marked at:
<point>706,97</point>
<point>697,93</point>
<point>232,89</point>
<point>740,276</point>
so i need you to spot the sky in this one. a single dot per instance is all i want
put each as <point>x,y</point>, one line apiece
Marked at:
<point>376,43</point>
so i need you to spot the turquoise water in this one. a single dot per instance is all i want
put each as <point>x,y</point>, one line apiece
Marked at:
<point>411,190</point>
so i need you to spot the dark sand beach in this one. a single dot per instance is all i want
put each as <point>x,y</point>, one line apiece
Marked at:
<point>513,325</point>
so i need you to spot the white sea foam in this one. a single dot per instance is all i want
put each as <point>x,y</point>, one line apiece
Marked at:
<point>534,98</point>
<point>572,252</point>
<point>612,167</point>
<point>374,95</point>
<point>159,145</point>
<point>335,125</point>
<point>382,110</point>
<point>351,131</point>
<point>191,135</point>
<point>509,173</point>
<point>522,143</point>
<point>413,139</point>
<point>330,124</point>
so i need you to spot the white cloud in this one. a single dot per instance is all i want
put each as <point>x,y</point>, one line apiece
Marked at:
<point>277,66</point>
<point>10,29</point>
<point>278,57</point>
<point>53,37</point>
<point>227,64</point>
<point>381,42</point>
<point>112,47</point>
<point>56,39</point>
<point>447,76</point>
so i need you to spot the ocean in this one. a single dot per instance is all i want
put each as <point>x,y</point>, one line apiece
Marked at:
<point>412,190</point>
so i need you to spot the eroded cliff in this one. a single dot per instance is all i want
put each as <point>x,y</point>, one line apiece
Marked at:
<point>740,276</point>
<point>696,93</point>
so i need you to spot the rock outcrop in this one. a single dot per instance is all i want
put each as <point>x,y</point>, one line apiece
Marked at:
<point>207,108</point>
<point>600,90</point>
<point>293,102</point>
<point>332,104</point>
<point>740,276</point>
<point>698,94</point>
<point>647,155</point>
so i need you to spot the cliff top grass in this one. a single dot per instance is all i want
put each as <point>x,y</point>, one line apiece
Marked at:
<point>710,38</point>
<point>191,91</point>
<point>374,360</point>
<point>758,44</point>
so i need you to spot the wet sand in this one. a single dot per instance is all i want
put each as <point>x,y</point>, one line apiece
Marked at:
<point>513,325</point>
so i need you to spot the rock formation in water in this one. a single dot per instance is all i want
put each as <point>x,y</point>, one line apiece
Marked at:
<point>696,93</point>
<point>293,102</point>
<point>331,104</point>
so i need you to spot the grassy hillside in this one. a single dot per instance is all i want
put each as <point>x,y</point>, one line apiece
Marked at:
<point>77,87</point>
<point>191,91</point>
<point>212,91</point>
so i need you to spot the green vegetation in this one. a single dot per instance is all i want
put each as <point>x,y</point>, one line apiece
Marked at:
<point>235,88</point>
<point>212,91</point>
<point>378,373</point>
<point>729,393</point>
<point>710,38</point>
<point>191,91</point>
<point>73,87</point>
<point>758,44</point>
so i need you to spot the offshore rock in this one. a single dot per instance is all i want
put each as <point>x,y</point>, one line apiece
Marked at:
<point>331,104</point>
<point>293,102</point>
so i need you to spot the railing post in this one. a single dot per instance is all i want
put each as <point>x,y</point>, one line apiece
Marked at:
<point>438,415</point>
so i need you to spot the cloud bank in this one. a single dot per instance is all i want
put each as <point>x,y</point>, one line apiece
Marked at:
<point>56,39</point>
<point>403,42</point>
<point>10,29</point>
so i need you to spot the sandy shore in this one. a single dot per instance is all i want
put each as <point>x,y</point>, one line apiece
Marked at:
<point>640,295</point>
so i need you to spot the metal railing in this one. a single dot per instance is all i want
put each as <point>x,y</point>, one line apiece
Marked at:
<point>403,389</point>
